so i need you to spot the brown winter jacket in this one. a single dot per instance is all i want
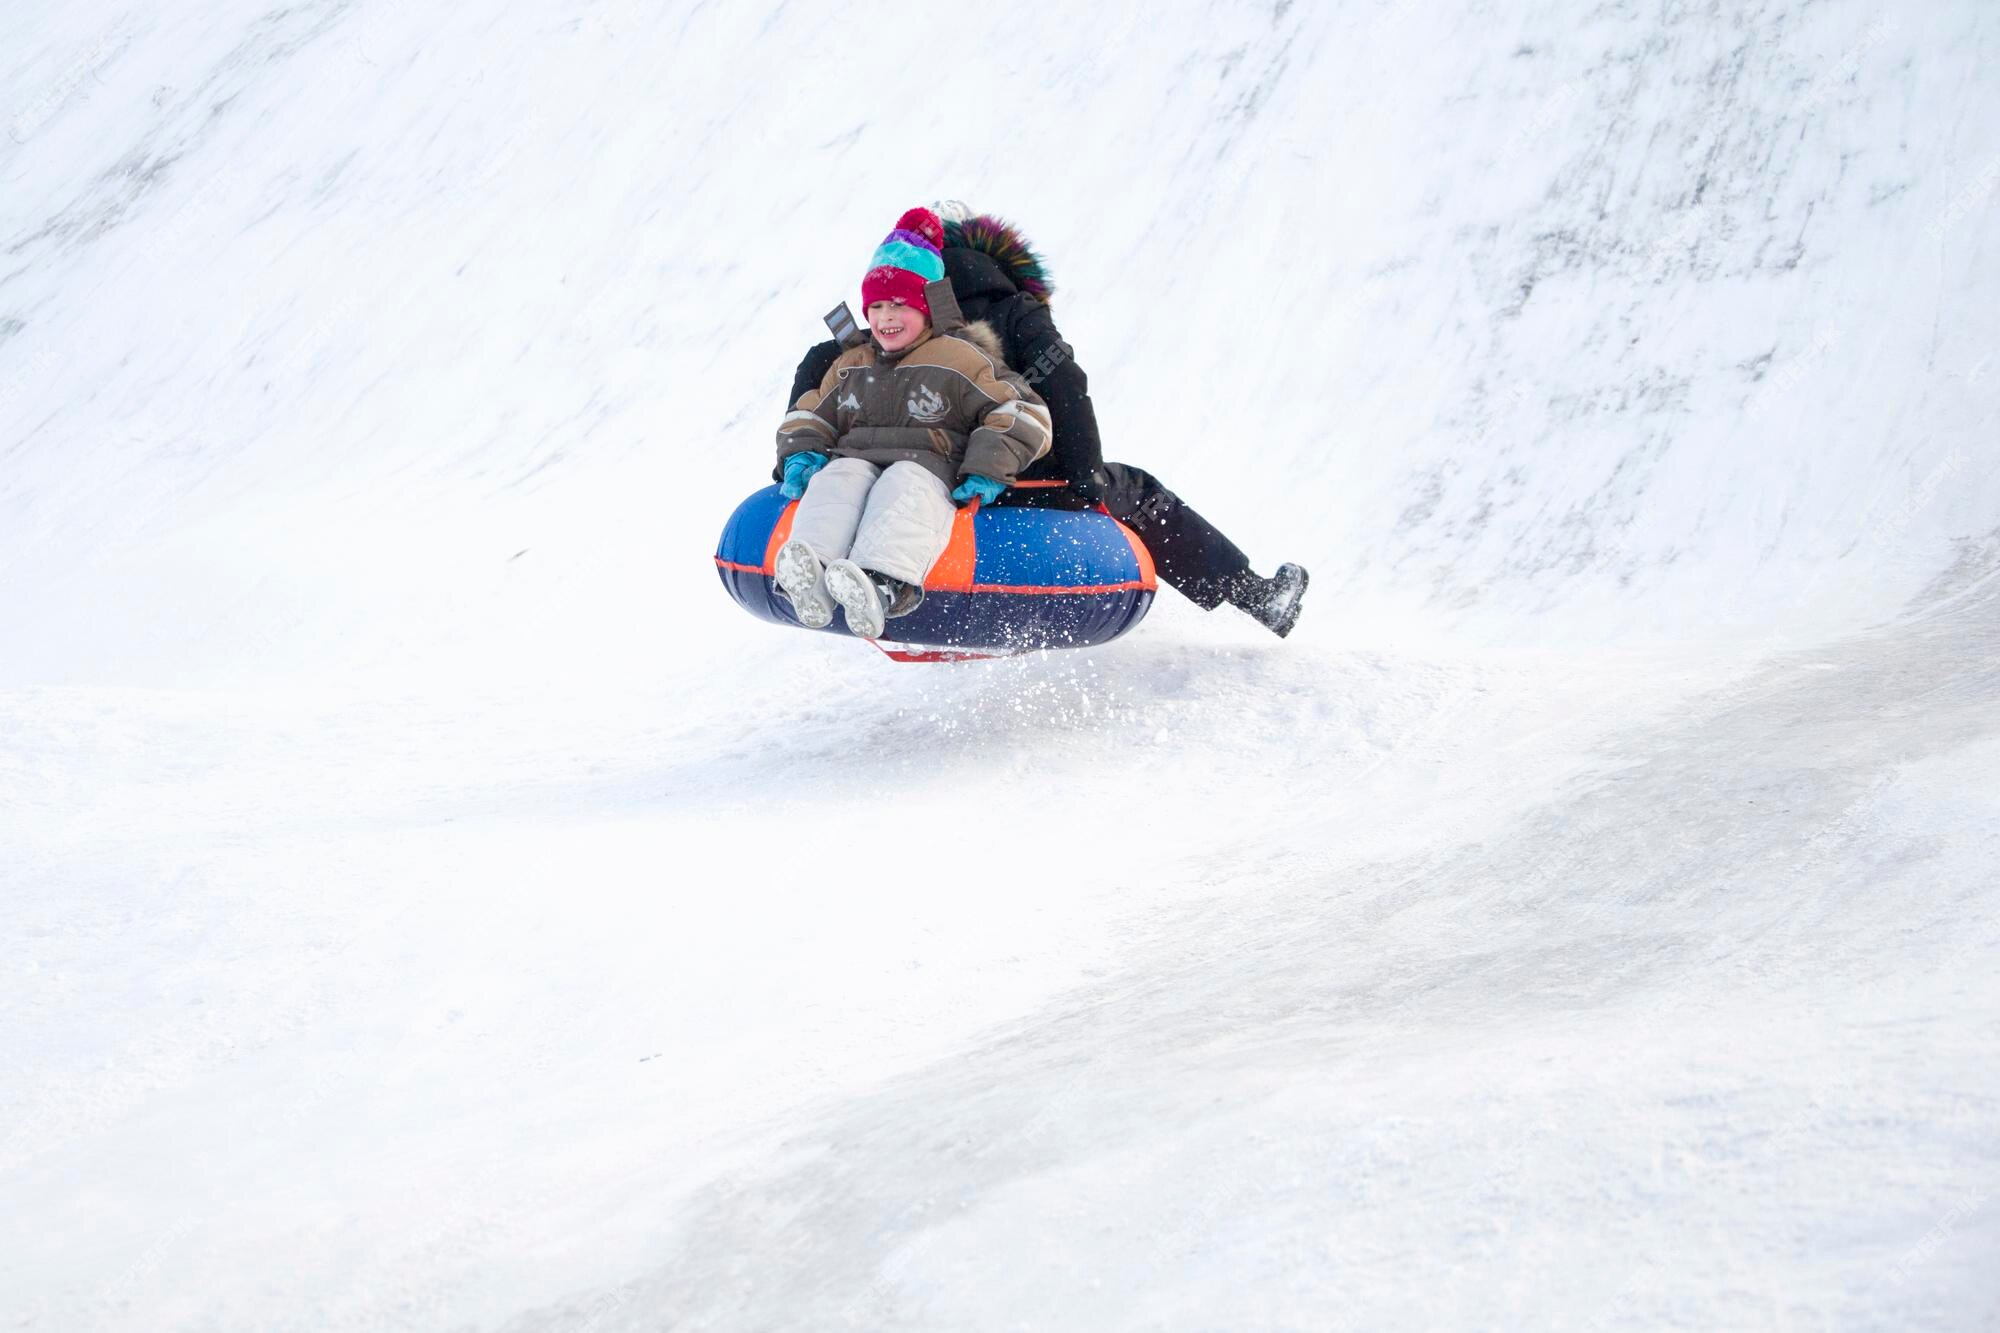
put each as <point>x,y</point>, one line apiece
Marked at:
<point>944,402</point>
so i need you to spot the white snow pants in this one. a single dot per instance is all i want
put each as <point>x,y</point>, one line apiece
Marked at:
<point>895,522</point>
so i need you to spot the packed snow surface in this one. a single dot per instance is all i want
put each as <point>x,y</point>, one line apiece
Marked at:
<point>428,902</point>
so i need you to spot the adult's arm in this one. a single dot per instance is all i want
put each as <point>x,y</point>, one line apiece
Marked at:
<point>812,369</point>
<point>1049,365</point>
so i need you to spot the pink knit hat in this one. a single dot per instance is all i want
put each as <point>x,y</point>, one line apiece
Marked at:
<point>907,259</point>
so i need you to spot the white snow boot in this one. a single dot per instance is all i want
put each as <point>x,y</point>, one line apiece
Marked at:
<point>859,595</point>
<point>803,581</point>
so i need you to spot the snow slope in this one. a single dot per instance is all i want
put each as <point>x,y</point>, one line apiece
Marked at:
<point>431,903</point>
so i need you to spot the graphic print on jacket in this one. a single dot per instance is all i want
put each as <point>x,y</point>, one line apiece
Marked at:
<point>943,402</point>
<point>926,405</point>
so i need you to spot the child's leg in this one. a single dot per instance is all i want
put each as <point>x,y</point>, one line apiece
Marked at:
<point>822,530</point>
<point>906,525</point>
<point>830,510</point>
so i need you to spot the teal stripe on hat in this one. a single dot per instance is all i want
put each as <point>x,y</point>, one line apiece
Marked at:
<point>926,263</point>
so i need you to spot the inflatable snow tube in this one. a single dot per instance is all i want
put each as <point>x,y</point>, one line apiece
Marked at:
<point>1011,579</point>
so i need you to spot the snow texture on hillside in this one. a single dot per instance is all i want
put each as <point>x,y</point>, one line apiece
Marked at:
<point>429,902</point>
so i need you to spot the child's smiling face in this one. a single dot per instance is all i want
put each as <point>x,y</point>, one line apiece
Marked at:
<point>895,325</point>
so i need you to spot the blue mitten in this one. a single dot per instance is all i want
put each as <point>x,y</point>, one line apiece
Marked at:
<point>975,487</point>
<point>799,469</point>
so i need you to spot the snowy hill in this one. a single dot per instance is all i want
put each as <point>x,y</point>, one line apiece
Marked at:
<point>431,903</point>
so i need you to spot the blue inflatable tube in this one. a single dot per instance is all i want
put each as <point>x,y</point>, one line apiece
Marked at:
<point>1011,579</point>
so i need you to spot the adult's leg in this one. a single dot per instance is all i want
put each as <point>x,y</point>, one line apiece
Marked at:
<point>906,525</point>
<point>1189,552</point>
<point>1193,556</point>
<point>829,513</point>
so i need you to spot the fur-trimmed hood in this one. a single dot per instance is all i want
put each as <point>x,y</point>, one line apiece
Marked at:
<point>995,275</point>
<point>1002,242</point>
<point>981,334</point>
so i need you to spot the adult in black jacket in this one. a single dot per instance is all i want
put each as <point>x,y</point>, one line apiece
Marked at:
<point>1000,282</point>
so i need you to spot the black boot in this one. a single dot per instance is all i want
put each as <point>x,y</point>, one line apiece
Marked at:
<point>1273,603</point>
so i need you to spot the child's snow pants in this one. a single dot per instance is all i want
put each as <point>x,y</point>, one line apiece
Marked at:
<point>894,521</point>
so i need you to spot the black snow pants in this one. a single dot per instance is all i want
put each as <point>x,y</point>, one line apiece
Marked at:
<point>1190,553</point>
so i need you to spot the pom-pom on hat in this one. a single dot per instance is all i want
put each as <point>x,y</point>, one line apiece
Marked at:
<point>907,259</point>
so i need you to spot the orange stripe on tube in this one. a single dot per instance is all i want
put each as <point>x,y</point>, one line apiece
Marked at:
<point>952,571</point>
<point>1037,590</point>
<point>781,532</point>
<point>1148,579</point>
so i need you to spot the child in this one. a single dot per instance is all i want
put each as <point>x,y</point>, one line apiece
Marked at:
<point>874,452</point>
